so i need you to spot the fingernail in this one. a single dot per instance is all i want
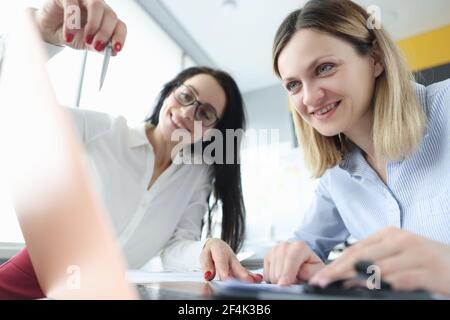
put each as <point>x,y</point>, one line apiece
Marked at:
<point>258,277</point>
<point>208,275</point>
<point>99,46</point>
<point>89,39</point>
<point>69,37</point>
<point>118,47</point>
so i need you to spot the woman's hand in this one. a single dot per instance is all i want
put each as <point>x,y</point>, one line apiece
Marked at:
<point>406,261</point>
<point>290,263</point>
<point>217,257</point>
<point>81,24</point>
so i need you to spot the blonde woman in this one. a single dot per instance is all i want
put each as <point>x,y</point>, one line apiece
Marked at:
<point>379,143</point>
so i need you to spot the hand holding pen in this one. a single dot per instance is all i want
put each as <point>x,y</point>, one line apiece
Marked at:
<point>81,24</point>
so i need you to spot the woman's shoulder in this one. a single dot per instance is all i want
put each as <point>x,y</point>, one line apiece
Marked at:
<point>93,124</point>
<point>438,88</point>
<point>435,96</point>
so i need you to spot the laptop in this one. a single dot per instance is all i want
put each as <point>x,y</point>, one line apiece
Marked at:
<point>65,227</point>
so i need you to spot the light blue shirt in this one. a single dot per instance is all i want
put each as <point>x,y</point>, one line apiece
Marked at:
<point>352,200</point>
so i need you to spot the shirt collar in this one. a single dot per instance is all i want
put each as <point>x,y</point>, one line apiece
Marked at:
<point>138,136</point>
<point>351,161</point>
<point>354,163</point>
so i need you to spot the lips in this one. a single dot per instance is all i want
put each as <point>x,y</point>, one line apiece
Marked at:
<point>325,109</point>
<point>326,112</point>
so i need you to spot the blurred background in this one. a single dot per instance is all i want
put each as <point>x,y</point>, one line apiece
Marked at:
<point>166,36</point>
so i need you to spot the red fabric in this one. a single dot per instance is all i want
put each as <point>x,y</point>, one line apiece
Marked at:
<point>18,280</point>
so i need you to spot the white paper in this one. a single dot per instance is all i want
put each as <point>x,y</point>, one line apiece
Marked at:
<point>236,286</point>
<point>245,255</point>
<point>140,277</point>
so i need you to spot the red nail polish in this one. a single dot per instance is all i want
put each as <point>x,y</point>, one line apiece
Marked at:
<point>117,47</point>
<point>208,275</point>
<point>258,277</point>
<point>69,37</point>
<point>89,39</point>
<point>255,277</point>
<point>99,46</point>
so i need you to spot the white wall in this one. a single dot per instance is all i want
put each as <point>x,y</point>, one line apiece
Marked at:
<point>149,59</point>
<point>276,184</point>
<point>267,108</point>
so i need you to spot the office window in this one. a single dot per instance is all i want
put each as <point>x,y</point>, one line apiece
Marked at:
<point>149,59</point>
<point>277,190</point>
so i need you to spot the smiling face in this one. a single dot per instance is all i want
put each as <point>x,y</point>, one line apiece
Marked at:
<point>330,84</point>
<point>175,116</point>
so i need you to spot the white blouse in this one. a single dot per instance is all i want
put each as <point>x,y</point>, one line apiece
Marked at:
<point>165,219</point>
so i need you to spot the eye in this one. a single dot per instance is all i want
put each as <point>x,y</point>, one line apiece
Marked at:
<point>185,97</point>
<point>324,68</point>
<point>292,86</point>
<point>205,115</point>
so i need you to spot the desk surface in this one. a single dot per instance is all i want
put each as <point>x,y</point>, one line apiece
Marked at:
<point>192,286</point>
<point>186,290</point>
<point>175,290</point>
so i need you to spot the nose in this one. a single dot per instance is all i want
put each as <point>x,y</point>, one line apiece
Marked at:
<point>188,112</point>
<point>313,95</point>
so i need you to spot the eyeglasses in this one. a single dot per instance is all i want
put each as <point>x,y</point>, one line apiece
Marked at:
<point>204,112</point>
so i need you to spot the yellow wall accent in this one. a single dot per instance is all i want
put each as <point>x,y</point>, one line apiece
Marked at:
<point>428,49</point>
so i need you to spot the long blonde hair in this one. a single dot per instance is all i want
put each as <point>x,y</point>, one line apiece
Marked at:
<point>399,120</point>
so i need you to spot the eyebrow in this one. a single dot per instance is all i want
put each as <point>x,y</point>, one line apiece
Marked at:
<point>193,89</point>
<point>312,64</point>
<point>196,93</point>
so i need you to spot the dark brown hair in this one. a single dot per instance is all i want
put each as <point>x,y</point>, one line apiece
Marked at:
<point>227,189</point>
